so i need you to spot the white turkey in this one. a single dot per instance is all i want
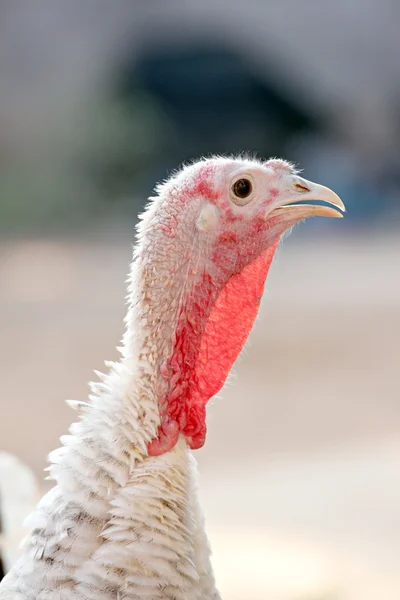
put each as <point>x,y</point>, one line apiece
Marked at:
<point>123,520</point>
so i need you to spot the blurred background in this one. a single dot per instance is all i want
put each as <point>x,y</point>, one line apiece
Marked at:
<point>100,100</point>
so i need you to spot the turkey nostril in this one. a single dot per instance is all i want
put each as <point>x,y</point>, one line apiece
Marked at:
<point>299,187</point>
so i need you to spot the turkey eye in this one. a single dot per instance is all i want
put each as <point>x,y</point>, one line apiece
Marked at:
<point>242,188</point>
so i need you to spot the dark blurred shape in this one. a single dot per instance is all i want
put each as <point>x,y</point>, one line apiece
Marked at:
<point>144,92</point>
<point>214,102</point>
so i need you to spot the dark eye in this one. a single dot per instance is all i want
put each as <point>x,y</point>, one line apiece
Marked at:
<point>242,188</point>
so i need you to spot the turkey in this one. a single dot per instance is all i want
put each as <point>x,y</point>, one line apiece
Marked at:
<point>123,520</point>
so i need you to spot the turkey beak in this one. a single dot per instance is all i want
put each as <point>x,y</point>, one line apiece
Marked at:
<point>301,190</point>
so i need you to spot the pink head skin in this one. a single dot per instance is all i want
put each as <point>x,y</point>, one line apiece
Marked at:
<point>210,237</point>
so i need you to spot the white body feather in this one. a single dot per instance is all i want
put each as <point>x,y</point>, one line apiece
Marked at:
<point>119,524</point>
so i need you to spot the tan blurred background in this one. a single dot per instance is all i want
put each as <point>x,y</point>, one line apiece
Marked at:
<point>300,475</point>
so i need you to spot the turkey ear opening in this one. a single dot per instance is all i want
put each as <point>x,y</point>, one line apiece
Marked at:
<point>230,323</point>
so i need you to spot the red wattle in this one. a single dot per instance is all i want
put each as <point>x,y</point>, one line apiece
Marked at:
<point>206,346</point>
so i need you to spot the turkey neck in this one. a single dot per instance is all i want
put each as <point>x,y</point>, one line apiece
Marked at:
<point>171,297</point>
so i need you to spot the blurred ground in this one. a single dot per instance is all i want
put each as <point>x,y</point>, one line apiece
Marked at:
<point>300,475</point>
